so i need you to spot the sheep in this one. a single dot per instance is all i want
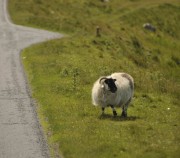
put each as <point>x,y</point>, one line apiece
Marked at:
<point>115,90</point>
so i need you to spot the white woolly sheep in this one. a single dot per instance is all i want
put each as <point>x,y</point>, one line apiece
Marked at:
<point>115,90</point>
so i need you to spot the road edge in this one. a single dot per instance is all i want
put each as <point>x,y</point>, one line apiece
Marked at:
<point>41,133</point>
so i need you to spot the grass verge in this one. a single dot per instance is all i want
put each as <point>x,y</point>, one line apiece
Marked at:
<point>62,73</point>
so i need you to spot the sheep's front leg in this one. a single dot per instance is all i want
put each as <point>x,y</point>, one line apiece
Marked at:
<point>114,110</point>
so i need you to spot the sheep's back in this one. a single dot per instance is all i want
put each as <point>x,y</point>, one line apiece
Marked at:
<point>123,79</point>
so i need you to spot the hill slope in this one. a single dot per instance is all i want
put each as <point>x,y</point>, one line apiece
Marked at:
<point>62,73</point>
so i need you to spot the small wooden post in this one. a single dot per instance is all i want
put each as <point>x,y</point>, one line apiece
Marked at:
<point>98,29</point>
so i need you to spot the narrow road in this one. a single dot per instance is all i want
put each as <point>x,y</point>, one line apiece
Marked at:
<point>20,133</point>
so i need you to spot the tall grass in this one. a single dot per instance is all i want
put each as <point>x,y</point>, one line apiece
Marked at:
<point>62,72</point>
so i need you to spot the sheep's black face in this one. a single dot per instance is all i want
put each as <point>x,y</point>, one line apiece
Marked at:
<point>111,84</point>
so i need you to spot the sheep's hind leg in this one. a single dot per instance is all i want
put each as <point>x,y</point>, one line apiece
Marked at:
<point>124,109</point>
<point>114,111</point>
<point>124,112</point>
<point>103,108</point>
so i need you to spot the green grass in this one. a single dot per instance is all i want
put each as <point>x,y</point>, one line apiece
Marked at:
<point>61,73</point>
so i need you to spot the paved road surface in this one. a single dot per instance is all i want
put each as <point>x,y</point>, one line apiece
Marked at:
<point>20,132</point>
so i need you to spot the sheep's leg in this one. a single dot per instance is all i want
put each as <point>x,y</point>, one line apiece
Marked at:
<point>114,110</point>
<point>103,108</point>
<point>124,109</point>
<point>124,112</point>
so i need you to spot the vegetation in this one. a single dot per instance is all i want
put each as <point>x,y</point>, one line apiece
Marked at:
<point>62,71</point>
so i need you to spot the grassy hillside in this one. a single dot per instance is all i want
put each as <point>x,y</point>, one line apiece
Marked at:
<point>61,73</point>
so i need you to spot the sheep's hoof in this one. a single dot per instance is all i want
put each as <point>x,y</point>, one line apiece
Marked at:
<point>114,113</point>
